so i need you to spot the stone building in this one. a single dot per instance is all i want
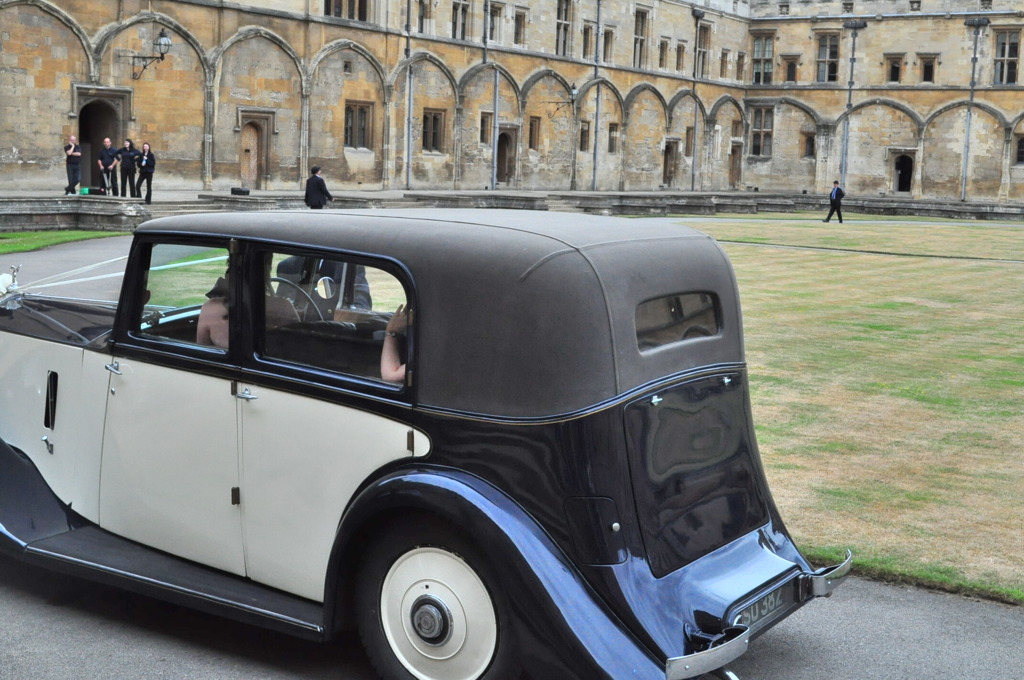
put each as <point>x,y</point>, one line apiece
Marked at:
<point>778,95</point>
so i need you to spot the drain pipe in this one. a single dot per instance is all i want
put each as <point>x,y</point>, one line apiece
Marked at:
<point>698,14</point>
<point>977,23</point>
<point>856,26</point>
<point>408,95</point>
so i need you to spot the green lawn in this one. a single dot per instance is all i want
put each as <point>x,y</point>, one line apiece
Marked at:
<point>24,241</point>
<point>888,391</point>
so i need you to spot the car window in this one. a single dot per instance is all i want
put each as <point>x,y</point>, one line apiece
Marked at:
<point>186,295</point>
<point>332,314</point>
<point>674,318</point>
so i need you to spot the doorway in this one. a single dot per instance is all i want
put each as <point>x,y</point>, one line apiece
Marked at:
<point>97,120</point>
<point>669,162</point>
<point>735,165</point>
<point>506,169</point>
<point>903,173</point>
<point>250,156</point>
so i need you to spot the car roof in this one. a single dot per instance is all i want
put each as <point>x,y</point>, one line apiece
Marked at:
<point>520,313</point>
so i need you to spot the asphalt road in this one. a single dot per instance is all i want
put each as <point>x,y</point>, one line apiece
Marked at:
<point>55,628</point>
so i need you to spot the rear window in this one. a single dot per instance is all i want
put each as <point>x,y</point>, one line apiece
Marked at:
<point>675,318</point>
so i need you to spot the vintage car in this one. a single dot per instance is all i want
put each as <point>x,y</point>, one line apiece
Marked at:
<point>497,444</point>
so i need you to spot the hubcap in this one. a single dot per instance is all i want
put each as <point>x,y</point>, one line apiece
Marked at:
<point>431,620</point>
<point>438,616</point>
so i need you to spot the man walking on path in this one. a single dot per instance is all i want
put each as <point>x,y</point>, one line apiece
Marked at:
<point>316,190</point>
<point>835,202</point>
<point>108,166</point>
<point>72,160</point>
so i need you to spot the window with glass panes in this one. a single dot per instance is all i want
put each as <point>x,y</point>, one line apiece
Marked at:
<point>562,28</point>
<point>460,18</point>
<point>761,61</point>
<point>1007,55</point>
<point>358,124</point>
<point>703,43</point>
<point>828,58</point>
<point>640,39</point>
<point>761,132</point>
<point>433,129</point>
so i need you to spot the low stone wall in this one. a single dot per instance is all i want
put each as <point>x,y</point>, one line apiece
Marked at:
<point>117,214</point>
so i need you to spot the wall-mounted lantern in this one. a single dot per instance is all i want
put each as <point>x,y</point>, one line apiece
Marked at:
<point>161,46</point>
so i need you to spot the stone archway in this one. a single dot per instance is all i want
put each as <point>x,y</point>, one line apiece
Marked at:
<point>96,120</point>
<point>506,170</point>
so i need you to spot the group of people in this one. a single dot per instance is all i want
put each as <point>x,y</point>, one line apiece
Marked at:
<point>129,159</point>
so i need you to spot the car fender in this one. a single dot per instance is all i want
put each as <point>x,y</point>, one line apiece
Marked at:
<point>535,572</point>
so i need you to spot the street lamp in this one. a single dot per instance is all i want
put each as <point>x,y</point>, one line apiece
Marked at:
<point>977,23</point>
<point>854,25</point>
<point>162,45</point>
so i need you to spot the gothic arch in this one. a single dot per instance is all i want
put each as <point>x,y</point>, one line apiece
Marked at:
<point>889,103</point>
<point>470,75</point>
<point>250,32</point>
<point>995,113</point>
<point>435,61</point>
<point>541,75</point>
<point>342,46</point>
<point>72,25</point>
<point>107,36</point>
<point>679,97</point>
<point>600,81</point>
<point>639,89</point>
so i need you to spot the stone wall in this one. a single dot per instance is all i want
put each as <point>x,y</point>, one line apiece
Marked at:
<point>255,93</point>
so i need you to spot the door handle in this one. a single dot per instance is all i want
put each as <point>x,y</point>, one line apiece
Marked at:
<point>246,395</point>
<point>114,368</point>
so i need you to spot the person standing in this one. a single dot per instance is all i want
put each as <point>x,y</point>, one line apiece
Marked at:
<point>835,202</point>
<point>147,165</point>
<point>126,157</point>
<point>72,163</point>
<point>317,195</point>
<point>108,166</point>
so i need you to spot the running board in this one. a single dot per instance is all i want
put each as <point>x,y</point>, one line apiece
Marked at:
<point>37,528</point>
<point>97,555</point>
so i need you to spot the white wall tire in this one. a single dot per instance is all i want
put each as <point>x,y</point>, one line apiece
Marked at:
<point>428,609</point>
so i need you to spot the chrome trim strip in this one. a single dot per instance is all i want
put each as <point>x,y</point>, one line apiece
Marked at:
<point>695,665</point>
<point>824,581</point>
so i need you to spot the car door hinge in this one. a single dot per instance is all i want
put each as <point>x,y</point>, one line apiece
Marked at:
<point>236,496</point>
<point>410,441</point>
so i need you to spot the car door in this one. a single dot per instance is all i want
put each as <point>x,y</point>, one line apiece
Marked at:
<point>321,420</point>
<point>169,473</point>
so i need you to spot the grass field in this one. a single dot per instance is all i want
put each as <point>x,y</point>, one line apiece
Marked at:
<point>888,391</point>
<point>23,241</point>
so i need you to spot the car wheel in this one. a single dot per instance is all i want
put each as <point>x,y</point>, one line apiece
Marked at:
<point>429,608</point>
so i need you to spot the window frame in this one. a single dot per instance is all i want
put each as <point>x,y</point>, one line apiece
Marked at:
<point>641,27</point>
<point>762,128</point>
<point>563,24</point>
<point>762,60</point>
<point>433,136</point>
<point>460,19</point>
<point>1006,67</point>
<point>364,131</point>
<point>827,64</point>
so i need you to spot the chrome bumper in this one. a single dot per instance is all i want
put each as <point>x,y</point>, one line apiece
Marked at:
<point>694,665</point>
<point>822,582</point>
<point>735,641</point>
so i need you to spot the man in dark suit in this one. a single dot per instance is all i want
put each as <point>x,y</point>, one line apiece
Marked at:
<point>316,190</point>
<point>835,202</point>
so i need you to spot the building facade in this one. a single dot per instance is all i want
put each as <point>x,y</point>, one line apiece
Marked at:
<point>916,98</point>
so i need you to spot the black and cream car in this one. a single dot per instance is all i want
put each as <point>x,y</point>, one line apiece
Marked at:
<point>497,444</point>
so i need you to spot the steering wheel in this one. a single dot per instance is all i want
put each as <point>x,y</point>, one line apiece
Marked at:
<point>309,298</point>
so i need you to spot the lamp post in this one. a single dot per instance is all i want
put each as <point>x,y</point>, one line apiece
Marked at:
<point>698,14</point>
<point>977,23</point>
<point>162,45</point>
<point>855,25</point>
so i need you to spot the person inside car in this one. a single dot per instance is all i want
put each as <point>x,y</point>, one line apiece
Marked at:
<point>392,368</point>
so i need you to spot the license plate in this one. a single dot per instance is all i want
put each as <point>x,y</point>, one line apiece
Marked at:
<point>768,607</point>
